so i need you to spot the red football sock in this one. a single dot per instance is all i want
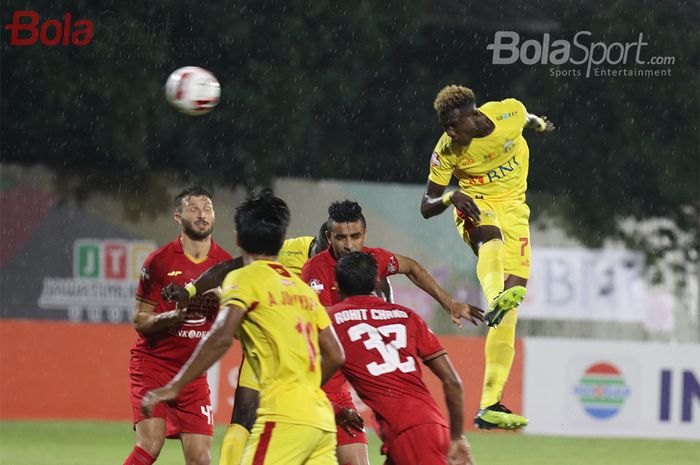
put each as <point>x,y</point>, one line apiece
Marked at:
<point>139,456</point>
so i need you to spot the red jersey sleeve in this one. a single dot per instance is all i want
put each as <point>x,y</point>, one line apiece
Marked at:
<point>428,346</point>
<point>387,263</point>
<point>150,281</point>
<point>317,277</point>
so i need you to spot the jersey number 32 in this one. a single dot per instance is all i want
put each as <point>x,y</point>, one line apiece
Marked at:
<point>391,359</point>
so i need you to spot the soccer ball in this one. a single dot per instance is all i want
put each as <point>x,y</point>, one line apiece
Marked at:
<point>192,90</point>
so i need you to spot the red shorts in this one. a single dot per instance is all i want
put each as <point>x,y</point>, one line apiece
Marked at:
<point>344,399</point>
<point>426,444</point>
<point>191,412</point>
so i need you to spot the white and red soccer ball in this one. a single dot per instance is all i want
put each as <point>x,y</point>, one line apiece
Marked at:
<point>192,90</point>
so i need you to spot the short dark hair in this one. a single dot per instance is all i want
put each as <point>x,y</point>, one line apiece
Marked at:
<point>346,211</point>
<point>261,223</point>
<point>451,98</point>
<point>197,191</point>
<point>356,273</point>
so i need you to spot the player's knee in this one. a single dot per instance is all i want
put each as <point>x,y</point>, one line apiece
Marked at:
<point>198,456</point>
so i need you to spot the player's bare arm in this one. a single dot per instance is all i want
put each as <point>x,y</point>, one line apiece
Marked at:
<point>459,452</point>
<point>210,279</point>
<point>435,201</point>
<point>245,405</point>
<point>384,290</point>
<point>209,350</point>
<point>424,280</point>
<point>146,320</point>
<point>332,355</point>
<point>539,123</point>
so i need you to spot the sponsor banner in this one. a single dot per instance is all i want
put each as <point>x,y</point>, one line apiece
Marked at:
<point>104,282</point>
<point>79,371</point>
<point>593,285</point>
<point>604,388</point>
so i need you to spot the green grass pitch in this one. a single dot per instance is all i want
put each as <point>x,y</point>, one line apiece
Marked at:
<point>89,443</point>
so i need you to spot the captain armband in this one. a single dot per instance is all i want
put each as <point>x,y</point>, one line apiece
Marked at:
<point>191,289</point>
<point>447,198</point>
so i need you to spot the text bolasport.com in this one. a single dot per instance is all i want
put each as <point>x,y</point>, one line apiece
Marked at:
<point>600,59</point>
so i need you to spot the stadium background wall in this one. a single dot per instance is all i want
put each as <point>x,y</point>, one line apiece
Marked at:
<point>79,371</point>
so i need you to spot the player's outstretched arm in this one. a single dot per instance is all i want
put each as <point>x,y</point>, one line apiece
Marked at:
<point>146,320</point>
<point>210,279</point>
<point>539,123</point>
<point>332,355</point>
<point>421,278</point>
<point>208,351</point>
<point>215,274</point>
<point>459,452</point>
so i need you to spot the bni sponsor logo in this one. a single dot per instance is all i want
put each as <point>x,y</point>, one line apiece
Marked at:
<point>602,390</point>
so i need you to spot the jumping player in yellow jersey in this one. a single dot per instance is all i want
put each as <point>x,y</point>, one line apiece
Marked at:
<point>483,147</point>
<point>283,330</point>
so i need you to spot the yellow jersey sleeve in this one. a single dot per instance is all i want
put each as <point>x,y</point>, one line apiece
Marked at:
<point>518,108</point>
<point>442,162</point>
<point>295,252</point>
<point>235,291</point>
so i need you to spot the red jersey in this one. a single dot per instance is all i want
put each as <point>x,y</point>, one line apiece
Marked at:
<point>319,273</point>
<point>170,348</point>
<point>383,343</point>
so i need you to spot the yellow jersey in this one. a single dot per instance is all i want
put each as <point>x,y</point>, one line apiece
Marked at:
<point>494,167</point>
<point>279,335</point>
<point>295,252</point>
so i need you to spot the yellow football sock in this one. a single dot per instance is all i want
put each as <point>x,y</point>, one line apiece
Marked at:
<point>233,445</point>
<point>499,351</point>
<point>489,269</point>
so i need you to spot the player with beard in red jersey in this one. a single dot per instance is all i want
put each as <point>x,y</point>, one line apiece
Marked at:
<point>347,230</point>
<point>169,334</point>
<point>383,343</point>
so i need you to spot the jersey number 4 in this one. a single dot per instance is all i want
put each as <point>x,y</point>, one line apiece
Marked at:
<point>389,352</point>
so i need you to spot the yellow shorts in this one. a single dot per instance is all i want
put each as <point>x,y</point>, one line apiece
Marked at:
<point>512,218</point>
<point>273,443</point>
<point>246,376</point>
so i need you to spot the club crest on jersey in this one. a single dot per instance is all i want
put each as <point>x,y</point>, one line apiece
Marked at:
<point>508,146</point>
<point>392,266</point>
<point>435,159</point>
<point>316,285</point>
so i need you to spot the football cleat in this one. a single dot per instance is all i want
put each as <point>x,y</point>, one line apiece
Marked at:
<point>503,303</point>
<point>497,416</point>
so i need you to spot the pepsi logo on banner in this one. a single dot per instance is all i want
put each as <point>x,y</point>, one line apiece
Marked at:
<point>602,390</point>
